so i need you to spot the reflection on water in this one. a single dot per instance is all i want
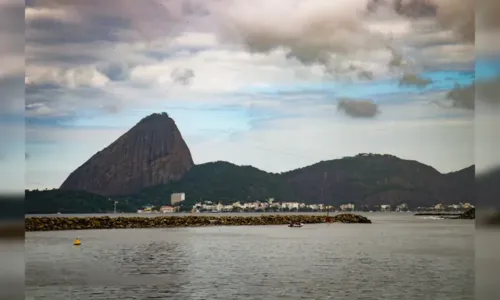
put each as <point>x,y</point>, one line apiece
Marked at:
<point>396,257</point>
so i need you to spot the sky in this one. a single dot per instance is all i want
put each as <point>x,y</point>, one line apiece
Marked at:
<point>273,84</point>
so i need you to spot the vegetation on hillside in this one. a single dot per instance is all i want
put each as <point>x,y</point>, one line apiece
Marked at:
<point>54,201</point>
<point>366,179</point>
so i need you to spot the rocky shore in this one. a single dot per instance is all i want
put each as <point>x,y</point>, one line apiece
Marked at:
<point>468,215</point>
<point>80,223</point>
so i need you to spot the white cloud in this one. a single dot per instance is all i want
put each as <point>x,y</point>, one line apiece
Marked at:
<point>113,56</point>
<point>306,41</point>
<point>71,78</point>
<point>219,71</point>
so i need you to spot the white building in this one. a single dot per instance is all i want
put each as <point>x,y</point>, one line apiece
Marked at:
<point>347,207</point>
<point>385,207</point>
<point>177,198</point>
<point>290,205</point>
<point>166,209</point>
<point>209,207</point>
<point>402,207</point>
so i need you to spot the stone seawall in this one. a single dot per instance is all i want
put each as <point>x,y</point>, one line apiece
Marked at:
<point>80,223</point>
<point>468,215</point>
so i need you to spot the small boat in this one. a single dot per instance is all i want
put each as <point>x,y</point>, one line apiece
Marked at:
<point>296,225</point>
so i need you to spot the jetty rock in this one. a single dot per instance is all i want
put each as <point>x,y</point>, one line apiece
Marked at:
<point>468,215</point>
<point>106,222</point>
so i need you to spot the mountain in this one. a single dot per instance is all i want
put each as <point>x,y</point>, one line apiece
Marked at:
<point>151,153</point>
<point>365,179</point>
<point>53,201</point>
<point>374,179</point>
<point>221,181</point>
<point>151,161</point>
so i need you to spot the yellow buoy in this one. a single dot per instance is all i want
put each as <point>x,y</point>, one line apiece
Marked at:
<point>77,242</point>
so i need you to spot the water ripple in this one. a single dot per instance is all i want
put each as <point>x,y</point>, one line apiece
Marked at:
<point>422,259</point>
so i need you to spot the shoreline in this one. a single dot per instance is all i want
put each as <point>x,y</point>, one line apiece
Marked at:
<point>203,214</point>
<point>106,222</point>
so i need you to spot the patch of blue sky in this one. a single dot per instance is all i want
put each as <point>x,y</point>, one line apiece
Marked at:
<point>41,149</point>
<point>212,119</point>
<point>441,80</point>
<point>446,76</point>
<point>191,118</point>
<point>174,52</point>
<point>48,121</point>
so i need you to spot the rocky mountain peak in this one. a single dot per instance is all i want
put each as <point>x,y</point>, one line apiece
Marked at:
<point>152,152</point>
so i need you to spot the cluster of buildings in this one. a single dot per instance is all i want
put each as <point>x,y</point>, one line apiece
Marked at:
<point>452,207</point>
<point>175,201</point>
<point>209,206</point>
<point>271,205</point>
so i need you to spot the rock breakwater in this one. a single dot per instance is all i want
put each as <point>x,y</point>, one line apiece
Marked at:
<point>106,222</point>
<point>468,215</point>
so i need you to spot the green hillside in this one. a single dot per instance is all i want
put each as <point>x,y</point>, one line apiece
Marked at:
<point>365,179</point>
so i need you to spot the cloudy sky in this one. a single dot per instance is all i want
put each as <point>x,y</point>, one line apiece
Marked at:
<point>273,84</point>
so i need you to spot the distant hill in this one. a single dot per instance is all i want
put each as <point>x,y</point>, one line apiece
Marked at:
<point>53,201</point>
<point>151,161</point>
<point>365,179</point>
<point>374,179</point>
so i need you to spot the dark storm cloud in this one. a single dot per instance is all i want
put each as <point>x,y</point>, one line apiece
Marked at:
<point>407,8</point>
<point>142,19</point>
<point>410,79</point>
<point>115,71</point>
<point>415,8</point>
<point>94,29</point>
<point>358,108</point>
<point>182,76</point>
<point>93,43</point>
<point>458,16</point>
